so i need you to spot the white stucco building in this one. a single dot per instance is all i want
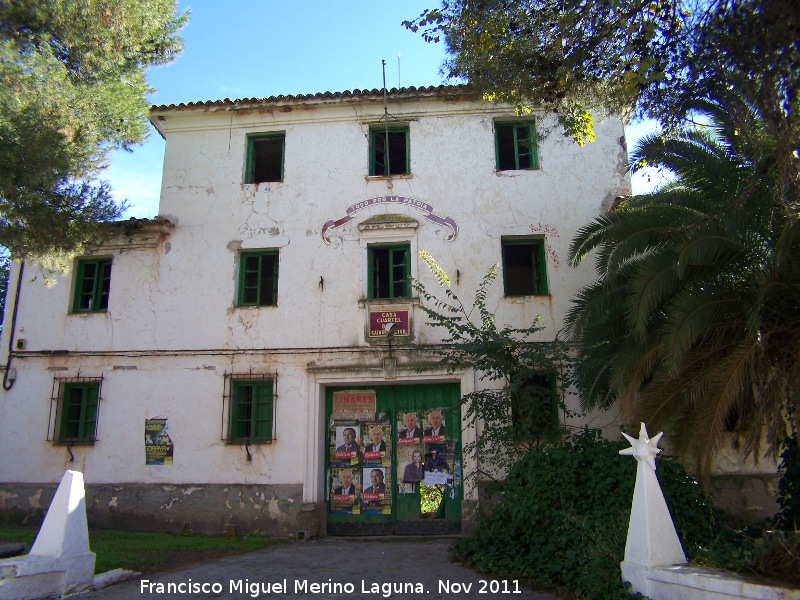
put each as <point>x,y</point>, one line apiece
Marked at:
<point>234,340</point>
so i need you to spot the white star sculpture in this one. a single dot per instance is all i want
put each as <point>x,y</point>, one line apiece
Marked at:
<point>645,448</point>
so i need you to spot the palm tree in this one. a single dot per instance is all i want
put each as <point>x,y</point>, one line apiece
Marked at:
<point>693,323</point>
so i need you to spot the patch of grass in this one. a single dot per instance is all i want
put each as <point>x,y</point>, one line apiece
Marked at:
<point>149,553</point>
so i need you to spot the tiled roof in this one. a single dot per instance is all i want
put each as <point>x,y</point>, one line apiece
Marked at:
<point>406,92</point>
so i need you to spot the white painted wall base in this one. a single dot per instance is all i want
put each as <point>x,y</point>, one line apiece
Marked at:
<point>683,582</point>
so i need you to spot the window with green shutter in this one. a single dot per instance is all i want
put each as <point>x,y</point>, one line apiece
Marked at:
<point>389,151</point>
<point>79,412</point>
<point>524,272</point>
<point>389,271</point>
<point>264,158</point>
<point>258,278</point>
<point>92,285</point>
<point>515,146</point>
<point>251,411</point>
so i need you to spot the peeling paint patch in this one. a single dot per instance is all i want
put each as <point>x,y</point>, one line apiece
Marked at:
<point>5,496</point>
<point>191,490</point>
<point>273,509</point>
<point>169,504</point>
<point>35,500</point>
<point>113,502</point>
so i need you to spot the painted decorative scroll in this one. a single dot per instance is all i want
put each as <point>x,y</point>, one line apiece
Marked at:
<point>426,209</point>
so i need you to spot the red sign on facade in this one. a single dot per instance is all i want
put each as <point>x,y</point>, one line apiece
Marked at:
<point>383,321</point>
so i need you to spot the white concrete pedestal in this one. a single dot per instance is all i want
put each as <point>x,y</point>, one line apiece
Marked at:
<point>60,561</point>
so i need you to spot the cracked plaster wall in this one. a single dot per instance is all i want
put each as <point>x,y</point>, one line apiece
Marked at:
<point>158,296</point>
<point>173,329</point>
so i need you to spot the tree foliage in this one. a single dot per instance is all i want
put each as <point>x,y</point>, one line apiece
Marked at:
<point>507,355</point>
<point>73,89</point>
<point>646,56</point>
<point>692,323</point>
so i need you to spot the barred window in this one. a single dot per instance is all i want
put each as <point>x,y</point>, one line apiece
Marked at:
<point>75,404</point>
<point>250,407</point>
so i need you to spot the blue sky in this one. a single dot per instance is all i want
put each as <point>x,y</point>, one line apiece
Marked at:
<point>259,48</point>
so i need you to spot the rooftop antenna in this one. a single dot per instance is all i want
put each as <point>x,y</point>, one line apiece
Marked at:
<point>385,105</point>
<point>386,126</point>
<point>399,55</point>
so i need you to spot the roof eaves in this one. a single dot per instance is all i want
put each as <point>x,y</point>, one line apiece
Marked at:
<point>356,94</point>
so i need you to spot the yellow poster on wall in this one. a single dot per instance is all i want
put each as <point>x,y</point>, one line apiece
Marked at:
<point>158,446</point>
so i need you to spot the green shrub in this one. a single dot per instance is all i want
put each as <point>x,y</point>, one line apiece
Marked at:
<point>561,519</point>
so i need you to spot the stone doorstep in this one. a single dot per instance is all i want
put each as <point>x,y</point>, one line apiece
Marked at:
<point>9,549</point>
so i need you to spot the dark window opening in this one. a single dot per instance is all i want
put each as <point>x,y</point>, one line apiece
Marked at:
<point>390,268</point>
<point>389,151</point>
<point>264,159</point>
<point>516,146</point>
<point>524,268</point>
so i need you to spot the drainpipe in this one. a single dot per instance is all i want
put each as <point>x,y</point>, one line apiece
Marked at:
<point>8,377</point>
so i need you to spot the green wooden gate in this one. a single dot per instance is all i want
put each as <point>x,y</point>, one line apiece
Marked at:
<point>424,499</point>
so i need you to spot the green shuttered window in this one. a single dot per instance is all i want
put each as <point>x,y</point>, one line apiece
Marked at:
<point>252,410</point>
<point>79,412</point>
<point>524,271</point>
<point>515,146</point>
<point>258,278</point>
<point>92,285</point>
<point>389,151</point>
<point>264,158</point>
<point>389,270</point>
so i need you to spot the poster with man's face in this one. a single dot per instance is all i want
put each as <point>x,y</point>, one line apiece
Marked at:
<point>345,446</point>
<point>344,484</point>
<point>376,497</point>
<point>409,429</point>
<point>376,442</point>
<point>435,429</point>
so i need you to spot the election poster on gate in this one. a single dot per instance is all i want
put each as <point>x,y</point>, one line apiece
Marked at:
<point>376,441</point>
<point>344,484</point>
<point>158,446</point>
<point>344,446</point>
<point>376,497</point>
